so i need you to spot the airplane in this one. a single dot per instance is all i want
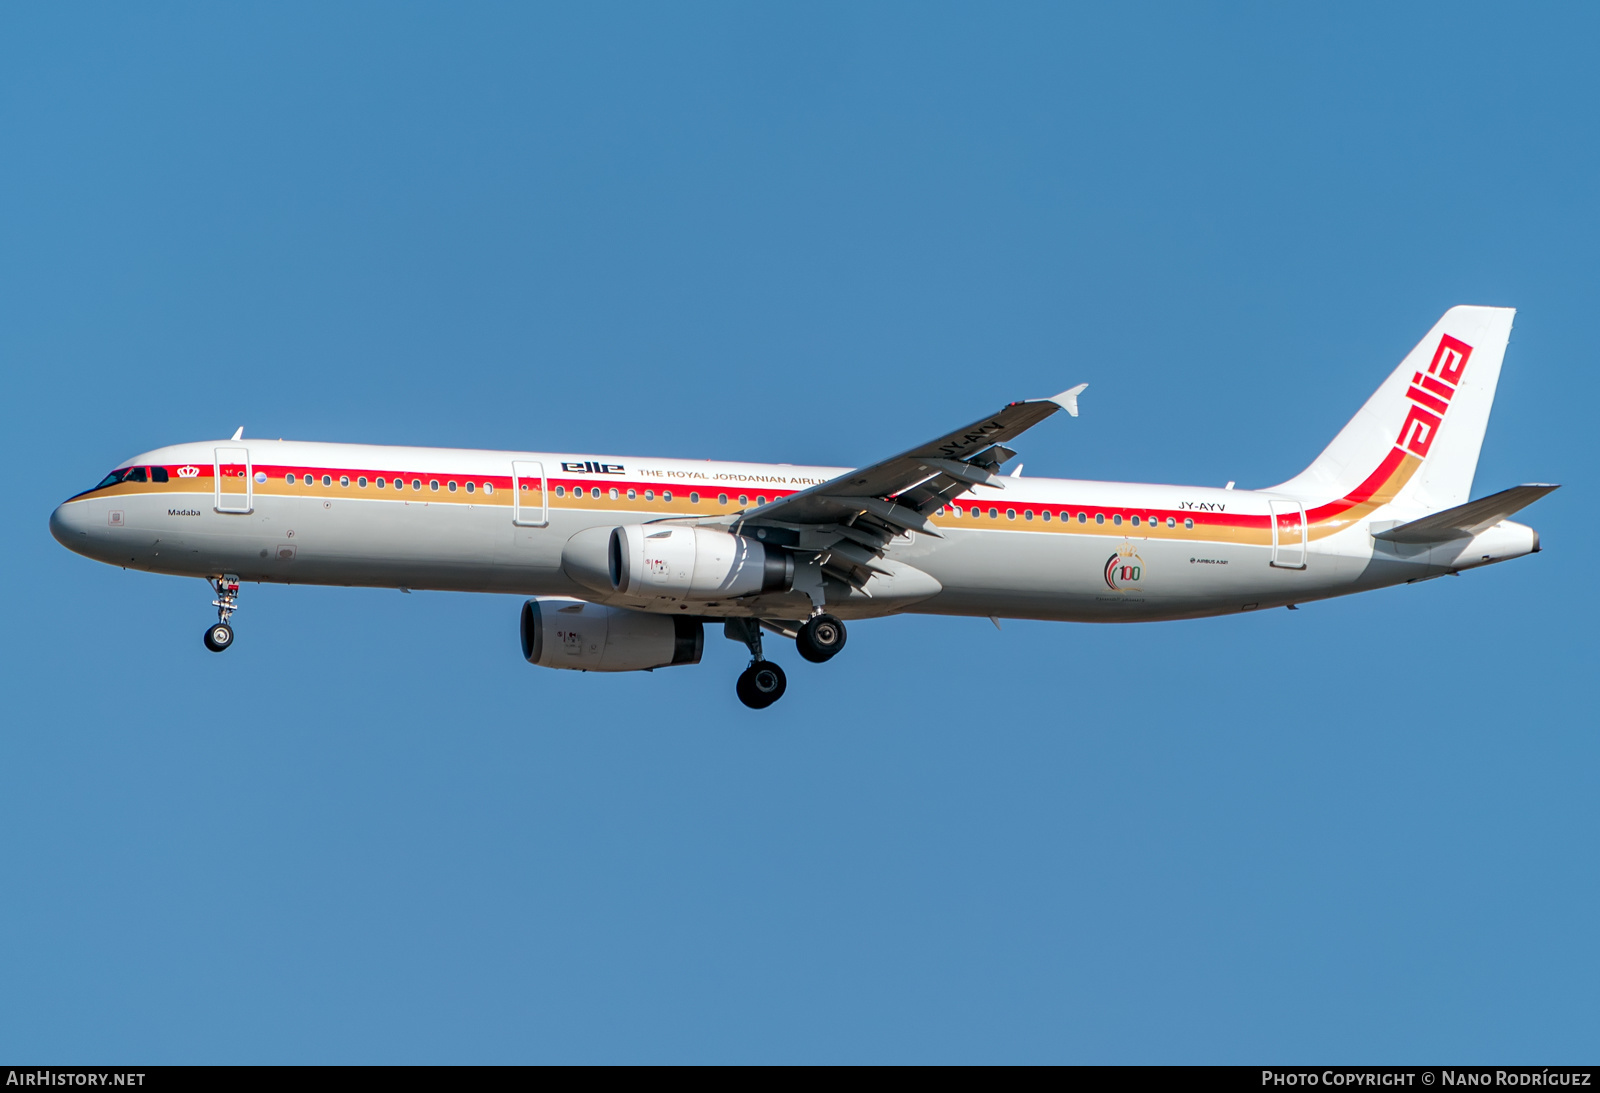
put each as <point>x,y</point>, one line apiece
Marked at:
<point>624,560</point>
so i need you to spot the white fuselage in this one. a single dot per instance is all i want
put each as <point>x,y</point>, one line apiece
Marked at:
<point>484,521</point>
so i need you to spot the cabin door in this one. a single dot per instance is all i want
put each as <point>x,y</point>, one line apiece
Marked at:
<point>234,487</point>
<point>1288,534</point>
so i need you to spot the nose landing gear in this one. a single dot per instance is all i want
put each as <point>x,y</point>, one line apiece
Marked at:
<point>219,635</point>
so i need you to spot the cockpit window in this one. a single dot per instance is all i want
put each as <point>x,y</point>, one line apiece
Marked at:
<point>119,476</point>
<point>133,474</point>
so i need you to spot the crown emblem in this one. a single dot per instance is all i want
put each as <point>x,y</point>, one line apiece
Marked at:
<point>189,472</point>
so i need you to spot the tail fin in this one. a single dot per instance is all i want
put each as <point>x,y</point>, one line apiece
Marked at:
<point>1415,443</point>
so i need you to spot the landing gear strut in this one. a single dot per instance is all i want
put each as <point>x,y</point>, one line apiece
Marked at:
<point>820,638</point>
<point>763,683</point>
<point>220,635</point>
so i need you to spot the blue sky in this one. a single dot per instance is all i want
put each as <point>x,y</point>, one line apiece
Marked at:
<point>1364,831</point>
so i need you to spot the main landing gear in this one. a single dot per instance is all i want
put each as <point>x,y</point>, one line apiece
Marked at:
<point>820,638</point>
<point>219,635</point>
<point>763,683</point>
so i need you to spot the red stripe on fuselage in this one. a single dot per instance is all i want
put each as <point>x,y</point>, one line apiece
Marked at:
<point>1363,493</point>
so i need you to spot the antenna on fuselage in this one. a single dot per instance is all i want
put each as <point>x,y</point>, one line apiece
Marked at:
<point>238,434</point>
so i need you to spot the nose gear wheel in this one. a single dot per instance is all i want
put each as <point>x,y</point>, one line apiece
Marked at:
<point>219,635</point>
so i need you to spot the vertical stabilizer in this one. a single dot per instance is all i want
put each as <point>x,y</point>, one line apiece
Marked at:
<point>1414,445</point>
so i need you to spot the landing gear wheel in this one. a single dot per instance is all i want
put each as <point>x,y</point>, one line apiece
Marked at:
<point>820,639</point>
<point>220,635</point>
<point>761,684</point>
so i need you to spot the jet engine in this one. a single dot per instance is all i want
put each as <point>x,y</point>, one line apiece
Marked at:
<point>654,561</point>
<point>559,633</point>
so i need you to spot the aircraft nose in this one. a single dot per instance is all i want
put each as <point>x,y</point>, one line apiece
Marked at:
<point>66,524</point>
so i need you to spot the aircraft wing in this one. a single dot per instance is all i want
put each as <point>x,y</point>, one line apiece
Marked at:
<point>863,510</point>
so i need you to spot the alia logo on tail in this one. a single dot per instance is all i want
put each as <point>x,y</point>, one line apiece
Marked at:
<point>1430,395</point>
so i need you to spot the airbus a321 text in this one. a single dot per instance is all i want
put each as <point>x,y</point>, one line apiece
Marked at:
<point>626,559</point>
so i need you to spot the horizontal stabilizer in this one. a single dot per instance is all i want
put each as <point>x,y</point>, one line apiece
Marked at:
<point>1465,521</point>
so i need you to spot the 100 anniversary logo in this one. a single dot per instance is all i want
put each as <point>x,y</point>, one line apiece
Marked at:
<point>1123,569</point>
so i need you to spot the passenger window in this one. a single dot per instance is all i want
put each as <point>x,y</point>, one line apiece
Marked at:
<point>452,487</point>
<point>1117,519</point>
<point>1027,514</point>
<point>649,495</point>
<point>694,498</point>
<point>743,500</point>
<point>289,478</point>
<point>416,483</point>
<point>344,480</point>
<point>1011,514</point>
<point>666,495</point>
<point>327,480</point>
<point>1099,517</point>
<point>1083,517</point>
<point>471,486</point>
<point>362,481</point>
<point>633,495</point>
<point>158,474</point>
<point>594,491</point>
<point>761,499</point>
<point>561,491</point>
<point>1188,522</point>
<point>994,514</point>
<point>1171,522</point>
<point>379,483</point>
<point>1045,516</point>
<point>722,499</point>
<point>1135,521</point>
<point>488,487</point>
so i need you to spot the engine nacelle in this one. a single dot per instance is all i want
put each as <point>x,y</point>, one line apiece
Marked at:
<point>666,562</point>
<point>559,633</point>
